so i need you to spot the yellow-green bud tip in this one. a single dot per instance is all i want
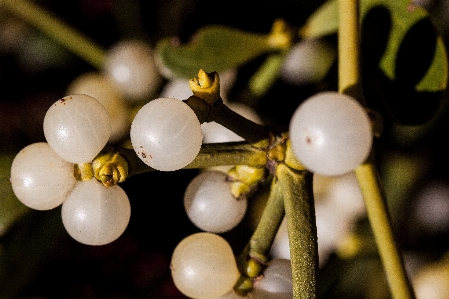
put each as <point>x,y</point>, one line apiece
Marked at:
<point>206,86</point>
<point>110,168</point>
<point>280,36</point>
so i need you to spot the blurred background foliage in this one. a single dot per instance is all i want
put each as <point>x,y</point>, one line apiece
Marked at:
<point>39,260</point>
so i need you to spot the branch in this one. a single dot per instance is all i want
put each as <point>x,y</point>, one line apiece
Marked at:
<point>252,260</point>
<point>56,30</point>
<point>302,232</point>
<point>367,174</point>
<point>115,165</point>
<point>378,216</point>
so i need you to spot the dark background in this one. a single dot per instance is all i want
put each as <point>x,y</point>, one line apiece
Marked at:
<point>38,258</point>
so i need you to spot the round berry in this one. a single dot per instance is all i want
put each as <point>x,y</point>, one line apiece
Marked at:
<point>130,64</point>
<point>77,127</point>
<point>101,88</point>
<point>40,178</point>
<point>94,214</point>
<point>210,204</point>
<point>203,266</point>
<point>276,282</point>
<point>166,134</point>
<point>307,62</point>
<point>331,133</point>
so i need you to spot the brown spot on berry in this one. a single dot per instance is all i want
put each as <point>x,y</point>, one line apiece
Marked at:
<point>411,7</point>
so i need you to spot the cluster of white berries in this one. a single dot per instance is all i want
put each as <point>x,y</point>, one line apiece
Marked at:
<point>330,134</point>
<point>76,128</point>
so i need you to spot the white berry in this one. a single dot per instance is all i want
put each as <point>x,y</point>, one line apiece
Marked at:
<point>203,266</point>
<point>210,205</point>
<point>166,134</point>
<point>94,214</point>
<point>130,64</point>
<point>307,62</point>
<point>276,282</point>
<point>40,178</point>
<point>102,89</point>
<point>77,127</point>
<point>331,133</point>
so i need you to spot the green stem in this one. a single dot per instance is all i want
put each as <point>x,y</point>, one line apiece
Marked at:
<point>348,45</point>
<point>377,211</point>
<point>302,232</point>
<point>367,174</point>
<point>255,254</point>
<point>214,154</point>
<point>57,30</point>
<point>229,153</point>
<point>269,223</point>
<point>247,129</point>
<point>252,132</point>
<point>264,78</point>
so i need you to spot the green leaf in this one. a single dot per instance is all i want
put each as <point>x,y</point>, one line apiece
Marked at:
<point>11,209</point>
<point>438,71</point>
<point>322,22</point>
<point>213,48</point>
<point>404,16</point>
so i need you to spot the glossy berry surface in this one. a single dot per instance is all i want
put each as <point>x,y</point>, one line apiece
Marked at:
<point>166,134</point>
<point>77,127</point>
<point>40,178</point>
<point>210,205</point>
<point>94,214</point>
<point>130,65</point>
<point>203,266</point>
<point>330,133</point>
